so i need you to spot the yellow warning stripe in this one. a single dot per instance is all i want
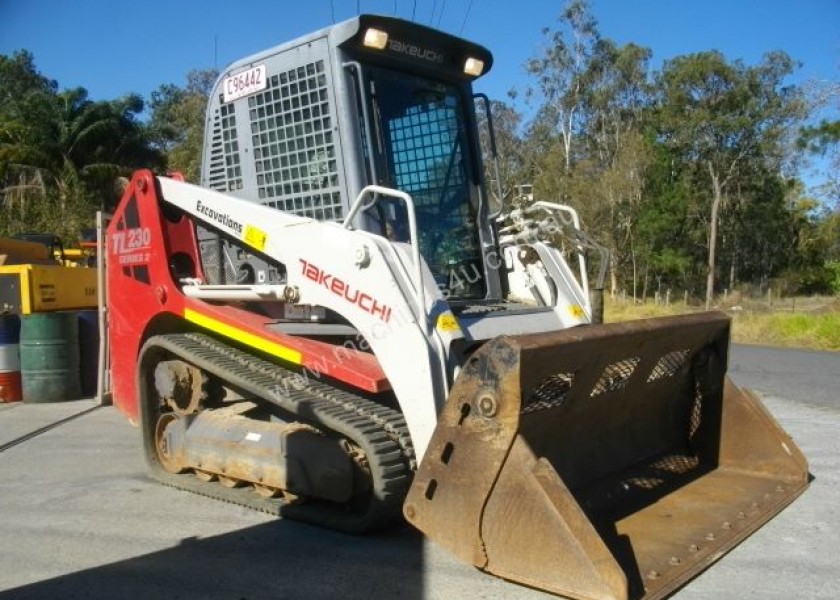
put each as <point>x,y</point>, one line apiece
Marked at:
<point>243,337</point>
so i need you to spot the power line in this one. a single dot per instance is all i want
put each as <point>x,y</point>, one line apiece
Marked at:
<point>332,11</point>
<point>414,10</point>
<point>432,18</point>
<point>440,16</point>
<point>469,6</point>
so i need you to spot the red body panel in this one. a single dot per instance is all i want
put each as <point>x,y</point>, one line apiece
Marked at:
<point>143,298</point>
<point>359,369</point>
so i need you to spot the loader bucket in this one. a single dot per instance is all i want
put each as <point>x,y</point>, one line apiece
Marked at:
<point>610,461</point>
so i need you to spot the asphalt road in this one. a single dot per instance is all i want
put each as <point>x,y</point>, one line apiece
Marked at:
<point>79,519</point>
<point>805,376</point>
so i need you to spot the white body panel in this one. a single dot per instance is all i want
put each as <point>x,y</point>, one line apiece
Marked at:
<point>318,256</point>
<point>373,284</point>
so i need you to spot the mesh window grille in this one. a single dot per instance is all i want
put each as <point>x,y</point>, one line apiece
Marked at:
<point>423,141</point>
<point>294,151</point>
<point>225,172</point>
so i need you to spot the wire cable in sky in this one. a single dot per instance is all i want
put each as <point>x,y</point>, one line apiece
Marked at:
<point>432,18</point>
<point>466,16</point>
<point>440,16</point>
<point>414,10</point>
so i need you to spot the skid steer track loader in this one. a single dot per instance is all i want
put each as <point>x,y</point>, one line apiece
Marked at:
<point>335,327</point>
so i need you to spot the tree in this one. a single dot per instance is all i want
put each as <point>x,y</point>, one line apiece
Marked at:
<point>74,140</point>
<point>615,95</point>
<point>25,96</point>
<point>177,121</point>
<point>823,138</point>
<point>560,74</point>
<point>507,123</point>
<point>20,78</point>
<point>664,224</point>
<point>721,115</point>
<point>759,229</point>
<point>60,151</point>
<point>585,145</point>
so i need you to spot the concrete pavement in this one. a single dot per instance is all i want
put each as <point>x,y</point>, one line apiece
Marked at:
<point>79,519</point>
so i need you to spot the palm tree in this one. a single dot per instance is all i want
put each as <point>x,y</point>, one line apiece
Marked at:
<point>77,146</point>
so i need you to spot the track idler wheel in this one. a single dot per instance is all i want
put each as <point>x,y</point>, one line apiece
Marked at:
<point>168,454</point>
<point>181,386</point>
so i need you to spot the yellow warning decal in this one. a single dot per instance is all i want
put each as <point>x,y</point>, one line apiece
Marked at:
<point>447,322</point>
<point>255,237</point>
<point>576,311</point>
<point>243,337</point>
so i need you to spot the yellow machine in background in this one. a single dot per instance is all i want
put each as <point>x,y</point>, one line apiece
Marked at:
<point>29,288</point>
<point>34,279</point>
<point>15,251</point>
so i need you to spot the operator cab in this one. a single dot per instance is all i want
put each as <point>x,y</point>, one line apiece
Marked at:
<point>417,131</point>
<point>304,127</point>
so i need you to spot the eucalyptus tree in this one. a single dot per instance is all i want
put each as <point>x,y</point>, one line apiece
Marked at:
<point>587,135</point>
<point>510,150</point>
<point>559,71</point>
<point>616,93</point>
<point>719,116</point>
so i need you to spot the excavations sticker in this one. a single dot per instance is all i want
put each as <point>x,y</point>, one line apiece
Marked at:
<point>220,218</point>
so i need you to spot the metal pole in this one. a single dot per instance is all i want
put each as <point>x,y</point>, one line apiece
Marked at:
<point>103,382</point>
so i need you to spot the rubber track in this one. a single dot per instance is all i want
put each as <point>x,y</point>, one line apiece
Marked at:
<point>379,431</point>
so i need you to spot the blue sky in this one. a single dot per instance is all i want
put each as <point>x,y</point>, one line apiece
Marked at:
<point>112,47</point>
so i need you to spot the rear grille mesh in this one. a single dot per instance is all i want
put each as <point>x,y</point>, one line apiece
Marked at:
<point>294,150</point>
<point>224,172</point>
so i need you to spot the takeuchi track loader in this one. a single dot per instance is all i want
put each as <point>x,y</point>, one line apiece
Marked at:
<point>337,327</point>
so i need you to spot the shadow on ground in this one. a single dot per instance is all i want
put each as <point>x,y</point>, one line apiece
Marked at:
<point>276,560</point>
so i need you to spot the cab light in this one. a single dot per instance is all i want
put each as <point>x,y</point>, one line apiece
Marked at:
<point>375,38</point>
<point>474,67</point>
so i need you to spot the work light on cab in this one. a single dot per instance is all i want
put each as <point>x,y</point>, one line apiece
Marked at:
<point>375,38</point>
<point>473,66</point>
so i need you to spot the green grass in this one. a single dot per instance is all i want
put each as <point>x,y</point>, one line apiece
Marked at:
<point>798,330</point>
<point>816,328</point>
